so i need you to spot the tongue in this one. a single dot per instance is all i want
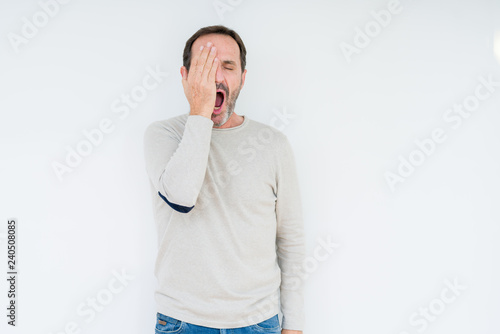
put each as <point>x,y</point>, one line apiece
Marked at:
<point>218,99</point>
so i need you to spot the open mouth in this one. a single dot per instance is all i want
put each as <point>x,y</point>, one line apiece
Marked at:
<point>220,97</point>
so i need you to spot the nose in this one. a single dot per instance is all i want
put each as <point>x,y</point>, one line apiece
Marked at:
<point>219,77</point>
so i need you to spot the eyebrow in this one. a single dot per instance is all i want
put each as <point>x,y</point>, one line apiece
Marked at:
<point>229,62</point>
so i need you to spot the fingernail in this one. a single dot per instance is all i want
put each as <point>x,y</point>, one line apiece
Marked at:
<point>213,49</point>
<point>209,44</point>
<point>201,47</point>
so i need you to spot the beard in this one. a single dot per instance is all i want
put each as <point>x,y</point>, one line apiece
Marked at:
<point>221,119</point>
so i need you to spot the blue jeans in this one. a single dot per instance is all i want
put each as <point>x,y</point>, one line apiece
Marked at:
<point>171,325</point>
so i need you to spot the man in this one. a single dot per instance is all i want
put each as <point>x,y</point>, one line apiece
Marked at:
<point>226,204</point>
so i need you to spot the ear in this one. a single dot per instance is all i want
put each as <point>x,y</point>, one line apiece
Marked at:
<point>184,72</point>
<point>243,78</point>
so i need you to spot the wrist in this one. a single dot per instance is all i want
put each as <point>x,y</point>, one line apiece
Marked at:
<point>206,112</point>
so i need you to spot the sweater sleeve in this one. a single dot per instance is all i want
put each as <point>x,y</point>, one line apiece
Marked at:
<point>177,166</point>
<point>290,239</point>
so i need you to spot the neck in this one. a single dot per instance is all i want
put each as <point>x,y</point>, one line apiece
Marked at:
<point>234,120</point>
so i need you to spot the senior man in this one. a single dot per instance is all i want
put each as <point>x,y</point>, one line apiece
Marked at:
<point>226,205</point>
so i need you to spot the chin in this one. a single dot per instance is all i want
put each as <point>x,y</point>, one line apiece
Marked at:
<point>222,114</point>
<point>220,119</point>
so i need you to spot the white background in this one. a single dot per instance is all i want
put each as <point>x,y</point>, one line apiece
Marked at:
<point>352,120</point>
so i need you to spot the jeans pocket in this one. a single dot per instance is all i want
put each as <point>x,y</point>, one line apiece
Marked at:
<point>166,324</point>
<point>271,325</point>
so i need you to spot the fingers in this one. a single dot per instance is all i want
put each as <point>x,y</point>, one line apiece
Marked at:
<point>199,82</point>
<point>209,69</point>
<point>204,61</point>
<point>213,70</point>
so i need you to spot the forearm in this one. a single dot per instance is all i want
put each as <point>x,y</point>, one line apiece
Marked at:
<point>177,168</point>
<point>291,253</point>
<point>290,240</point>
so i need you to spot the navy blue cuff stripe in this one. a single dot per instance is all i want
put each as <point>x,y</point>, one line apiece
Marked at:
<point>176,207</point>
